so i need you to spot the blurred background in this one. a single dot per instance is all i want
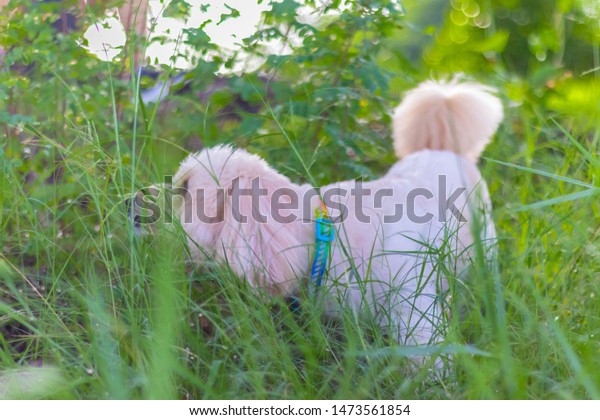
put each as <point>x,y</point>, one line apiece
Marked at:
<point>332,71</point>
<point>101,98</point>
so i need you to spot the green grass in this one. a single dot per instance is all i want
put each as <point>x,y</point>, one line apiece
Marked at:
<point>93,311</point>
<point>110,315</point>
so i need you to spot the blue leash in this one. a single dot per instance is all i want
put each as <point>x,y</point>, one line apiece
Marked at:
<point>324,236</point>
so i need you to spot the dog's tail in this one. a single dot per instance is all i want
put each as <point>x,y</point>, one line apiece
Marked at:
<point>460,117</point>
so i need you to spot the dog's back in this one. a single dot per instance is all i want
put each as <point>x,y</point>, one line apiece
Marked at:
<point>406,230</point>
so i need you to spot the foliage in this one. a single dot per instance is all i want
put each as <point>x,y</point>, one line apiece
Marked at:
<point>116,316</point>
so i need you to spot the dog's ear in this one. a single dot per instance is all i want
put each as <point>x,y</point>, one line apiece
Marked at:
<point>241,211</point>
<point>259,239</point>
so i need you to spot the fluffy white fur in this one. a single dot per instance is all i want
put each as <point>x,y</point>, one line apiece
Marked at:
<point>271,255</point>
<point>459,117</point>
<point>387,268</point>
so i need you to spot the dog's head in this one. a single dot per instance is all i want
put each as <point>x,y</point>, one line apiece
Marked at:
<point>209,199</point>
<point>150,206</point>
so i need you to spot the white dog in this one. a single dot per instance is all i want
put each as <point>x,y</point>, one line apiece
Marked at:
<point>387,255</point>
